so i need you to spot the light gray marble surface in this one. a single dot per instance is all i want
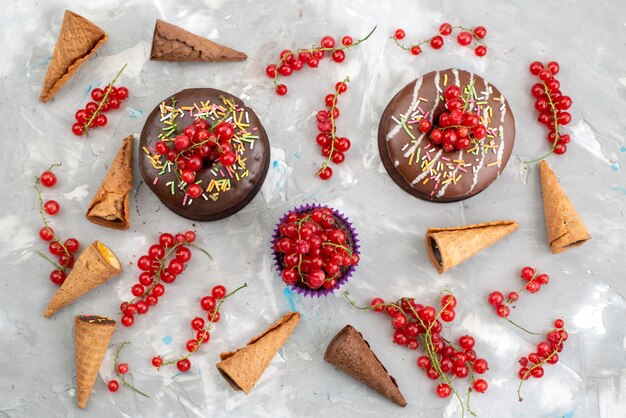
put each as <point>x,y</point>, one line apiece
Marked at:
<point>37,375</point>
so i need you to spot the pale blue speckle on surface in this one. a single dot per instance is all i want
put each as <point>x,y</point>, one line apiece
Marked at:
<point>622,149</point>
<point>134,113</point>
<point>167,340</point>
<point>289,295</point>
<point>615,166</point>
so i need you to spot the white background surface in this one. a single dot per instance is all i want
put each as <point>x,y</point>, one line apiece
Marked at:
<point>37,375</point>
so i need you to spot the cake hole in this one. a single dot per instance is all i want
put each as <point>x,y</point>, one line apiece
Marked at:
<point>436,252</point>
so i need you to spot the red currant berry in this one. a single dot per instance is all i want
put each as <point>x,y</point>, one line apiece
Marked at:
<point>443,390</point>
<point>543,279</point>
<point>423,362</point>
<point>513,296</point>
<point>558,323</point>
<point>48,178</point>
<point>270,70</point>
<point>378,304</point>
<point>347,40</point>
<point>158,290</point>
<point>281,89</point>
<point>528,273</point>
<point>97,94</point>
<point>144,263</point>
<point>554,67</point>
<point>46,233</point>
<point>327,42</point>
<point>325,173</point>
<point>121,93</point>
<point>191,346</point>
<point>183,254</point>
<point>464,38</point>
<point>447,315</point>
<point>127,320</point>
<point>535,67</point>
<point>57,277</point>
<point>560,149</point>
<point>532,286</point>
<point>448,301</point>
<point>218,292</point>
<point>416,50</point>
<point>313,62</point>
<point>194,190</point>
<point>480,365</point>
<point>424,125</point>
<point>399,34</point>
<point>445,29</point>
<point>142,307</point>
<point>183,365</point>
<point>466,342</point>
<point>480,385</point>
<point>290,276</point>
<point>480,51</point>
<point>480,32</point>
<point>71,244</point>
<point>113,386</point>
<point>503,311</point>
<point>101,120</point>
<point>545,75</point>
<point>398,321</point>
<point>536,372</point>
<point>51,207</point>
<point>137,290</point>
<point>122,368</point>
<point>208,303</point>
<point>203,336</point>
<point>496,298</point>
<point>436,42</point>
<point>338,55</point>
<point>157,361</point>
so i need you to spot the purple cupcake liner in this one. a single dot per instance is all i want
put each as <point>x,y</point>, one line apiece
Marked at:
<point>303,289</point>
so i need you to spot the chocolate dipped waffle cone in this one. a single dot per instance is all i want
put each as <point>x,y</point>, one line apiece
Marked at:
<point>172,43</point>
<point>351,354</point>
<point>109,206</point>
<point>77,41</point>
<point>564,226</point>
<point>448,247</point>
<point>244,367</point>
<point>92,334</point>
<point>94,266</point>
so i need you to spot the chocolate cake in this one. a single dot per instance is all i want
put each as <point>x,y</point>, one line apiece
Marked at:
<point>424,169</point>
<point>226,189</point>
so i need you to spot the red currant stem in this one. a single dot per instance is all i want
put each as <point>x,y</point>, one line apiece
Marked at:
<point>429,346</point>
<point>205,329</point>
<point>523,289</point>
<point>45,257</point>
<point>310,51</point>
<point>470,369</point>
<point>121,376</point>
<point>411,45</point>
<point>42,214</point>
<point>346,294</point>
<point>541,363</point>
<point>343,247</point>
<point>522,328</point>
<point>205,252</point>
<point>104,99</point>
<point>556,126</point>
<point>332,127</point>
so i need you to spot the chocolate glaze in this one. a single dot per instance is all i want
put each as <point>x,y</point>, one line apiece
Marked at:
<point>96,319</point>
<point>228,202</point>
<point>395,145</point>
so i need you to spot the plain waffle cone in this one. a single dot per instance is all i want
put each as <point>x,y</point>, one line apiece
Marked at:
<point>172,43</point>
<point>77,41</point>
<point>95,265</point>
<point>448,247</point>
<point>351,354</point>
<point>91,338</point>
<point>109,206</point>
<point>244,367</point>
<point>564,226</point>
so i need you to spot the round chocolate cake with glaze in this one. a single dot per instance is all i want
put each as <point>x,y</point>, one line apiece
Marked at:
<point>420,165</point>
<point>204,153</point>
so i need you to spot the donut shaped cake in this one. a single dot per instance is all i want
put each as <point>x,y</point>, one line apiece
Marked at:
<point>224,166</point>
<point>424,169</point>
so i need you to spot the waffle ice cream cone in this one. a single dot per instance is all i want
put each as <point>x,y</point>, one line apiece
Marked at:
<point>244,367</point>
<point>77,41</point>
<point>351,354</point>
<point>109,207</point>
<point>564,227</point>
<point>95,265</point>
<point>172,43</point>
<point>448,247</point>
<point>92,335</point>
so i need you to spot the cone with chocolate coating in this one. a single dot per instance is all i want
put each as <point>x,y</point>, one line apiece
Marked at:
<point>77,41</point>
<point>92,334</point>
<point>109,206</point>
<point>94,266</point>
<point>448,247</point>
<point>564,227</point>
<point>172,43</point>
<point>244,367</point>
<point>351,354</point>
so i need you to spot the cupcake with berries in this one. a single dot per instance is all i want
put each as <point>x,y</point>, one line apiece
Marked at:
<point>315,249</point>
